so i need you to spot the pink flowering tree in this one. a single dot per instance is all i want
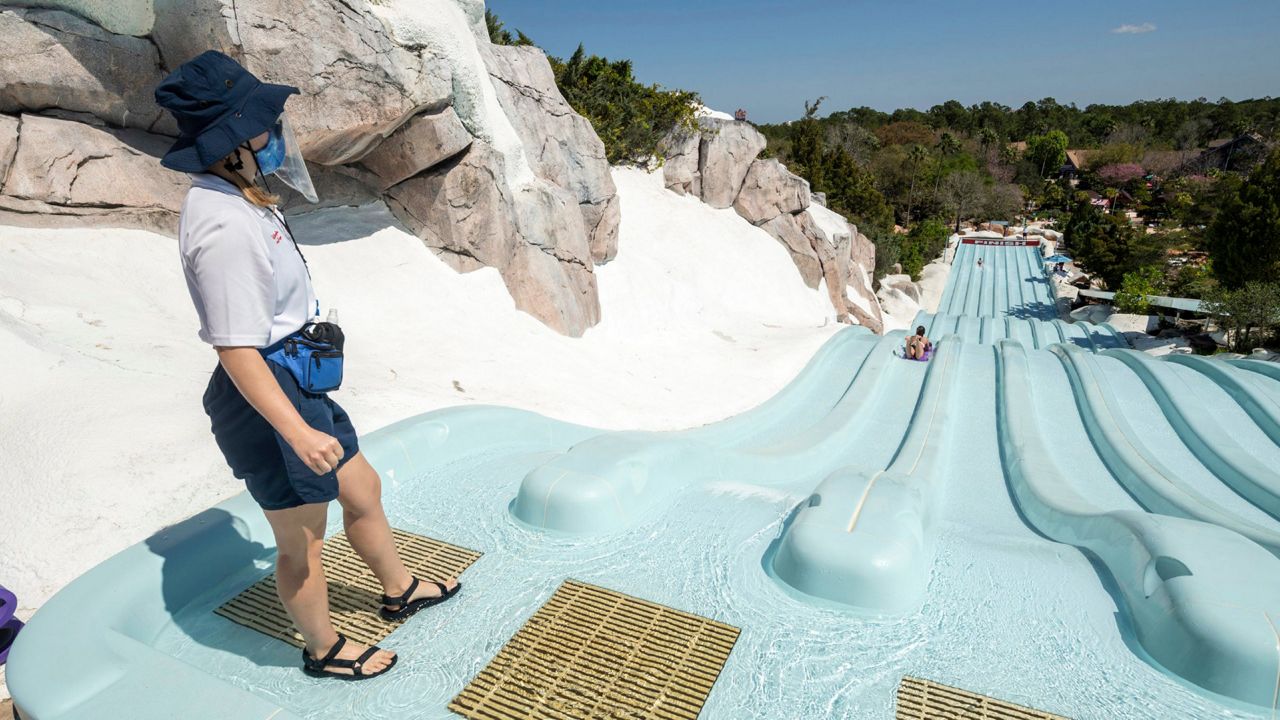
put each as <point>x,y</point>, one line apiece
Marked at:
<point>1120,174</point>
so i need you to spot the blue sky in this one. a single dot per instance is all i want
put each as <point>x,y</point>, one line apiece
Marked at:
<point>769,56</point>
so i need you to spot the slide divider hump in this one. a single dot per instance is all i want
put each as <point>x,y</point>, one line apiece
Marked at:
<point>867,539</point>
<point>1153,484</point>
<point>1169,571</point>
<point>1211,443</point>
<point>1258,406</point>
<point>610,481</point>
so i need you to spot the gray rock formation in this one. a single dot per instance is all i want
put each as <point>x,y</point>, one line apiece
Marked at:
<point>769,191</point>
<point>725,155</point>
<point>357,84</point>
<point>562,147</point>
<point>424,142</point>
<point>52,59</point>
<point>465,211</point>
<point>63,172</point>
<point>718,163</point>
<point>680,165</point>
<point>472,146</point>
<point>794,234</point>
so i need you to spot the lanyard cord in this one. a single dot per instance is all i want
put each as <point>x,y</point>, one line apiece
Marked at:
<point>288,230</point>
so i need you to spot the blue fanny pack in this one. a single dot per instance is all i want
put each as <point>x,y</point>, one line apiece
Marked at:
<point>313,356</point>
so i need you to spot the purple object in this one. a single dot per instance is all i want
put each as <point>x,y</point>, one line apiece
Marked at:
<point>9,625</point>
<point>928,353</point>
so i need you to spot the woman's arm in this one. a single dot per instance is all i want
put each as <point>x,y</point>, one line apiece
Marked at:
<point>249,371</point>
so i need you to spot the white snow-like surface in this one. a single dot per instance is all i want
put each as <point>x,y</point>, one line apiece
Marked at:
<point>445,33</point>
<point>103,439</point>
<point>704,111</point>
<point>900,309</point>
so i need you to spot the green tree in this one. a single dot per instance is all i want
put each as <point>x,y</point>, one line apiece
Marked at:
<point>630,117</point>
<point>962,192</point>
<point>916,155</point>
<point>1048,151</point>
<point>1136,287</point>
<point>1249,314</point>
<point>500,36</point>
<point>925,242</point>
<point>1103,244</point>
<point>1244,239</point>
<point>851,191</point>
<point>808,157</point>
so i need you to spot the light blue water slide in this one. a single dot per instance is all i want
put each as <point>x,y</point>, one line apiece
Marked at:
<point>1162,471</point>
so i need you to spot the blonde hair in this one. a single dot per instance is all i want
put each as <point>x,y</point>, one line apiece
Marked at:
<point>258,196</point>
<point>249,189</point>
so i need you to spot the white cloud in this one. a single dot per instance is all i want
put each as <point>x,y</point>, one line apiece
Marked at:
<point>1134,29</point>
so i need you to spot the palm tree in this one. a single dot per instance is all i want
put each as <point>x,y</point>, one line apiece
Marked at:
<point>916,155</point>
<point>988,139</point>
<point>947,146</point>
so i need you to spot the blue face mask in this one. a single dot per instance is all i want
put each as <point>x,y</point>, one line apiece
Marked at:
<point>271,157</point>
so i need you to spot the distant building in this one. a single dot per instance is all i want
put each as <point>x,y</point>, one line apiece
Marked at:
<point>740,115</point>
<point>1239,153</point>
<point>1076,163</point>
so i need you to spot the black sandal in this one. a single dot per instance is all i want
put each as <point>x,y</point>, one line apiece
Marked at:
<point>409,608</point>
<point>317,668</point>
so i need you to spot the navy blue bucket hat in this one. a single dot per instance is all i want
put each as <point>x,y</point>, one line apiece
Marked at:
<point>219,106</point>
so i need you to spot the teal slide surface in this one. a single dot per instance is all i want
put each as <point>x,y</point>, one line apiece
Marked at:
<point>1037,513</point>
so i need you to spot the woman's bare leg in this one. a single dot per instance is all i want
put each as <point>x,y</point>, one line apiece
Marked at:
<point>301,584</point>
<point>360,494</point>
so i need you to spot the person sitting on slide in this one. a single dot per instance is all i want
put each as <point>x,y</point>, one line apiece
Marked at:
<point>918,344</point>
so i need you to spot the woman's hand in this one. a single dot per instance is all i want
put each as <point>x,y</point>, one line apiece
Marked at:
<point>321,452</point>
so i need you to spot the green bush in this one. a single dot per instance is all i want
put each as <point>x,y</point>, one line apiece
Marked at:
<point>925,242</point>
<point>1137,285</point>
<point>1248,314</point>
<point>630,117</point>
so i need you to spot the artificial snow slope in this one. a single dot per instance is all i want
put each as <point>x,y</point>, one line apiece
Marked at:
<point>101,428</point>
<point>871,519</point>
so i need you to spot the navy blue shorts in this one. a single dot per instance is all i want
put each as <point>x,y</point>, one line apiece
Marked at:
<point>274,474</point>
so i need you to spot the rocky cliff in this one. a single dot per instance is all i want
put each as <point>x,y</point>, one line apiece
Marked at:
<point>471,145</point>
<point>719,162</point>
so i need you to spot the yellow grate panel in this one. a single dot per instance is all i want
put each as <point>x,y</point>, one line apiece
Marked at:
<point>354,592</point>
<point>927,700</point>
<point>590,652</point>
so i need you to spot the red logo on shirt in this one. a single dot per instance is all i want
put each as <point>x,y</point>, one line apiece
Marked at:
<point>276,234</point>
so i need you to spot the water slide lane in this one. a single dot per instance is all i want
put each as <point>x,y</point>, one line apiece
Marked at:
<point>865,537</point>
<point>1202,600</point>
<point>612,480</point>
<point>1197,415</point>
<point>1143,472</point>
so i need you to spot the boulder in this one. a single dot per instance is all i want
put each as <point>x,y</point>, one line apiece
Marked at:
<point>8,144</point>
<point>726,152</point>
<point>837,272</point>
<point>550,276</point>
<point>460,209</point>
<point>561,146</point>
<point>819,198</point>
<point>464,210</point>
<point>769,191</point>
<point>425,141</point>
<point>52,59</point>
<point>679,150</point>
<point>602,222</point>
<point>358,86</point>
<point>862,250</point>
<point>123,17</point>
<point>66,170</point>
<point>789,230</point>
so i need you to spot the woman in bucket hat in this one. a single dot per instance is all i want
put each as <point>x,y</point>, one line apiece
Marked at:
<point>294,447</point>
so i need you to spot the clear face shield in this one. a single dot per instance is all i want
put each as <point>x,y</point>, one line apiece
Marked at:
<point>282,157</point>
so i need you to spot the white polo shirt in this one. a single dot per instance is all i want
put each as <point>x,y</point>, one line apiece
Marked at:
<point>247,279</point>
